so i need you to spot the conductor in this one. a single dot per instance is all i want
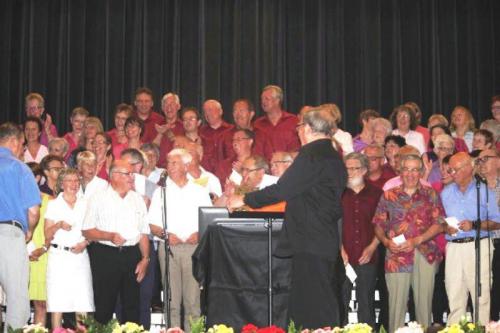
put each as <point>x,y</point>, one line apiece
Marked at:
<point>312,187</point>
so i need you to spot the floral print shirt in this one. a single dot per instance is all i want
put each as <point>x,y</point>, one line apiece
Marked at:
<point>399,213</point>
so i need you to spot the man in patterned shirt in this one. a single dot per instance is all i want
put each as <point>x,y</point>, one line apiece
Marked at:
<point>406,222</point>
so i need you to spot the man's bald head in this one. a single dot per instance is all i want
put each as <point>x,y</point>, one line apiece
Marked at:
<point>462,169</point>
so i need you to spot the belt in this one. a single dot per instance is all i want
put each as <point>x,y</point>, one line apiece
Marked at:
<point>60,247</point>
<point>118,248</point>
<point>14,223</point>
<point>465,240</point>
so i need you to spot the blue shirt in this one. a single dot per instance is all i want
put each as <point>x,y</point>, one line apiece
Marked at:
<point>463,206</point>
<point>18,189</point>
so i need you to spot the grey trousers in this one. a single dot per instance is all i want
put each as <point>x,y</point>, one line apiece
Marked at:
<point>14,275</point>
<point>422,282</point>
<point>184,288</point>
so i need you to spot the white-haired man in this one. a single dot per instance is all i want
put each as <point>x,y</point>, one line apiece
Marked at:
<point>170,105</point>
<point>182,199</point>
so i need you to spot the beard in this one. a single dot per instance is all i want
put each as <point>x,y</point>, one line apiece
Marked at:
<point>354,182</point>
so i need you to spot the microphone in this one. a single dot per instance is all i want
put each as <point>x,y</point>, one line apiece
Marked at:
<point>163,178</point>
<point>479,179</point>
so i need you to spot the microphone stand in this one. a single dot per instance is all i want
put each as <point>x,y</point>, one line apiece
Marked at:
<point>477,244</point>
<point>167,292</point>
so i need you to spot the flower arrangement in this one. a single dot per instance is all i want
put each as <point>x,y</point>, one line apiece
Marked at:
<point>413,327</point>
<point>250,328</point>
<point>493,327</point>
<point>33,328</point>
<point>464,326</point>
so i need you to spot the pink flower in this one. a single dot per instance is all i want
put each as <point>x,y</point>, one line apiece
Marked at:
<point>175,330</point>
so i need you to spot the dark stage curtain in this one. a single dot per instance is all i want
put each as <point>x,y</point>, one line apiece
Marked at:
<point>356,53</point>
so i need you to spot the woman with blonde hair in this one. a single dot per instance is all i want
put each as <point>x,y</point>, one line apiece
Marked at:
<point>69,281</point>
<point>74,138</point>
<point>462,125</point>
<point>91,127</point>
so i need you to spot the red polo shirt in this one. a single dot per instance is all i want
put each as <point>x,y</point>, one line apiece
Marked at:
<point>283,136</point>
<point>166,145</point>
<point>357,228</point>
<point>212,139</point>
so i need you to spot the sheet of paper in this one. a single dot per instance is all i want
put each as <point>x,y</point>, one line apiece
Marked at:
<point>399,239</point>
<point>351,274</point>
<point>452,222</point>
<point>30,247</point>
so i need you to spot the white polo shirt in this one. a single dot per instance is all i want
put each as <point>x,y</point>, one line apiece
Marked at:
<point>107,211</point>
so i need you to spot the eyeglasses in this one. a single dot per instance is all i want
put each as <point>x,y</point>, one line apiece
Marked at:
<point>413,170</point>
<point>128,174</point>
<point>354,168</point>
<point>484,159</point>
<point>57,169</point>
<point>189,119</point>
<point>247,170</point>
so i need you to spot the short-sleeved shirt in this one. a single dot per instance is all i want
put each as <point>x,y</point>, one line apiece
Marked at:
<point>357,228</point>
<point>411,216</point>
<point>182,208</point>
<point>108,211</point>
<point>282,136</point>
<point>18,189</point>
<point>59,210</point>
<point>463,206</point>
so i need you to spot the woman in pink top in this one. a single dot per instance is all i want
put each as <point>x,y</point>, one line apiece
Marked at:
<point>74,138</point>
<point>102,150</point>
<point>119,139</point>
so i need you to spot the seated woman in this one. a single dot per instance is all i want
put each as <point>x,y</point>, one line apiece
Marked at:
<point>69,281</point>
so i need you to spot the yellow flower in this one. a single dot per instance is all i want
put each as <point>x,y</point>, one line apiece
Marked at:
<point>117,328</point>
<point>130,327</point>
<point>471,326</point>
<point>223,329</point>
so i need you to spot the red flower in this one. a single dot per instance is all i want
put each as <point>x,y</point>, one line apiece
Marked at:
<point>249,328</point>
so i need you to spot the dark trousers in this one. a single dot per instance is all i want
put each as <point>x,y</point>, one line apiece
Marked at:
<point>113,274</point>
<point>365,293</point>
<point>313,301</point>
<point>381,286</point>
<point>146,288</point>
<point>495,287</point>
